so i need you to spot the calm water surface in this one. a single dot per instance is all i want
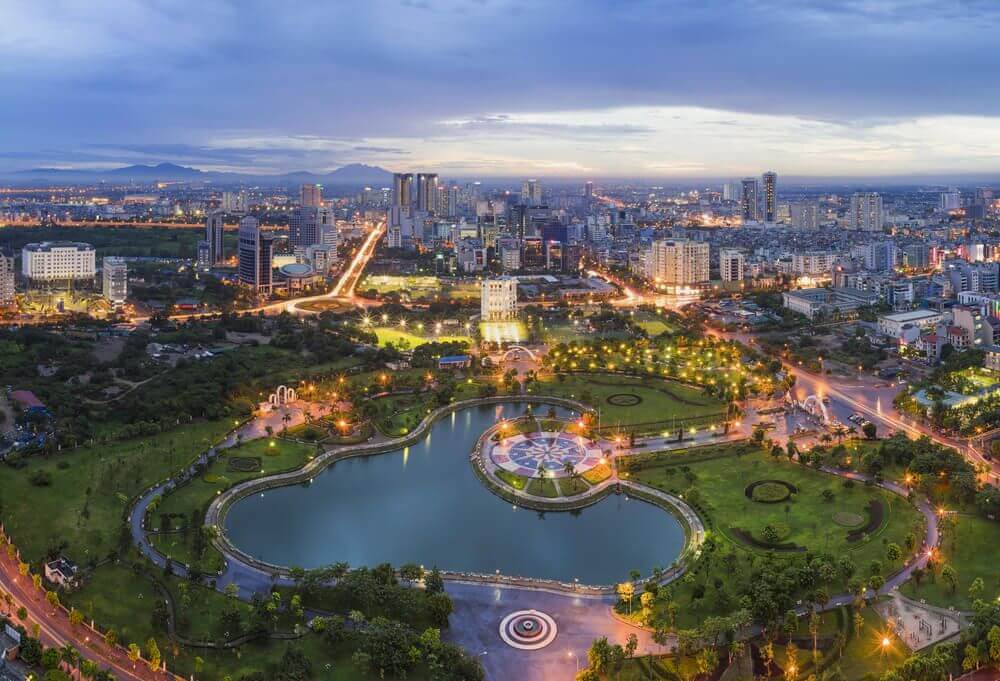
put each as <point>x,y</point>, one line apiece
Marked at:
<point>425,505</point>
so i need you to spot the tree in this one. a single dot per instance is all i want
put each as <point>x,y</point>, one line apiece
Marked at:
<point>976,588</point>
<point>153,654</point>
<point>599,655</point>
<point>870,430</point>
<point>626,590</point>
<point>51,658</point>
<point>52,598</point>
<point>814,632</point>
<point>970,659</point>
<point>110,638</point>
<point>994,640</point>
<point>75,617</point>
<point>631,644</point>
<point>439,608</point>
<point>893,552</point>
<point>950,576</point>
<point>791,661</point>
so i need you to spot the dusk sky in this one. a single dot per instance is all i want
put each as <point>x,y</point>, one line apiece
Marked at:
<point>573,88</point>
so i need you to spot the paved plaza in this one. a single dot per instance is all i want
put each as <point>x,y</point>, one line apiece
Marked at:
<point>526,454</point>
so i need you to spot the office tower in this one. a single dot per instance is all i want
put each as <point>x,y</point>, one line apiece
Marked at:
<point>770,196</point>
<point>805,215</point>
<point>115,275</point>
<point>678,262</point>
<point>531,193</point>
<point>588,190</point>
<point>866,212</point>
<point>213,235</point>
<point>730,264</point>
<point>311,195</point>
<point>402,184</point>
<point>751,200</point>
<point>204,256</point>
<point>58,261</point>
<point>326,222</point>
<point>732,191</point>
<point>427,192</point>
<point>949,200</point>
<point>498,299</point>
<point>256,252</point>
<point>303,227</point>
<point>6,280</point>
<point>452,208</point>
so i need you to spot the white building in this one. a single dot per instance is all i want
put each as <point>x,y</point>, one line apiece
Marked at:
<point>53,261</point>
<point>866,212</point>
<point>731,264</point>
<point>813,263</point>
<point>678,262</point>
<point>115,277</point>
<point>204,256</point>
<point>6,280</point>
<point>891,325</point>
<point>499,299</point>
<point>949,200</point>
<point>322,257</point>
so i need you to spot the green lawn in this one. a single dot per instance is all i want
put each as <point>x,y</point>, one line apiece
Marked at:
<point>716,486</point>
<point>864,654</point>
<point>543,487</point>
<point>967,547</point>
<point>518,482</point>
<point>81,508</point>
<point>115,597</point>
<point>282,455</point>
<point>407,340</point>
<point>660,400</point>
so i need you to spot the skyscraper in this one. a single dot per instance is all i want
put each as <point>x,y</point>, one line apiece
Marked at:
<point>256,251</point>
<point>213,235</point>
<point>588,190</point>
<point>531,193</point>
<point>401,186</point>
<point>750,200</point>
<point>311,195</point>
<point>427,192</point>
<point>866,212</point>
<point>678,262</point>
<point>805,215</point>
<point>114,272</point>
<point>770,196</point>
<point>6,280</point>
<point>303,227</point>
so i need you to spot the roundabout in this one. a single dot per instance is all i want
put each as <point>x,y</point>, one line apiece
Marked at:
<point>527,454</point>
<point>528,630</point>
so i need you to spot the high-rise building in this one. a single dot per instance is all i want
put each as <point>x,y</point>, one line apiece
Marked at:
<point>427,192</point>
<point>402,184</point>
<point>750,200</point>
<point>949,200</point>
<point>498,299</point>
<point>678,262</point>
<point>731,264</point>
<point>303,227</point>
<point>452,205</point>
<point>213,235</point>
<point>732,191</point>
<point>204,256</point>
<point>531,193</point>
<point>866,212</point>
<point>6,280</point>
<point>588,190</point>
<point>58,261</point>
<point>311,195</point>
<point>770,196</point>
<point>805,215</point>
<point>256,252</point>
<point>114,273</point>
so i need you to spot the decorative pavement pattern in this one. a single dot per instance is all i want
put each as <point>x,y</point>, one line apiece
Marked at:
<point>522,454</point>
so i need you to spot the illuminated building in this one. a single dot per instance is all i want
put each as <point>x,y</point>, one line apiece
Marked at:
<point>770,196</point>
<point>866,212</point>
<point>311,195</point>
<point>498,299</point>
<point>54,261</point>
<point>213,235</point>
<point>678,262</point>
<point>750,200</point>
<point>730,264</point>
<point>6,280</point>
<point>114,273</point>
<point>256,251</point>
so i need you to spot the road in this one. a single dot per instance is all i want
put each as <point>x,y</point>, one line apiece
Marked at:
<point>55,629</point>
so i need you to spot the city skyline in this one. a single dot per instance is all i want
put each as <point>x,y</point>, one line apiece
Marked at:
<point>436,86</point>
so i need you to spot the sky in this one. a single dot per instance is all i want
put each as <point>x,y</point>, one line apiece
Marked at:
<point>479,88</point>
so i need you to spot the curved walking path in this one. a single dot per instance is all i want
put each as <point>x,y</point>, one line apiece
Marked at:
<point>481,601</point>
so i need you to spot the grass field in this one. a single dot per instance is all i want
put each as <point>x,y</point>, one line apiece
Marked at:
<point>964,547</point>
<point>281,456</point>
<point>805,520</point>
<point>89,489</point>
<point>406,340</point>
<point>659,400</point>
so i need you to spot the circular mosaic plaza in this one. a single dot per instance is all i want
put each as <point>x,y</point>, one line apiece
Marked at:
<point>527,630</point>
<point>525,453</point>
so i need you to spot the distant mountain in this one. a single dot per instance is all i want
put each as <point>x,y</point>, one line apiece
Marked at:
<point>359,173</point>
<point>353,174</point>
